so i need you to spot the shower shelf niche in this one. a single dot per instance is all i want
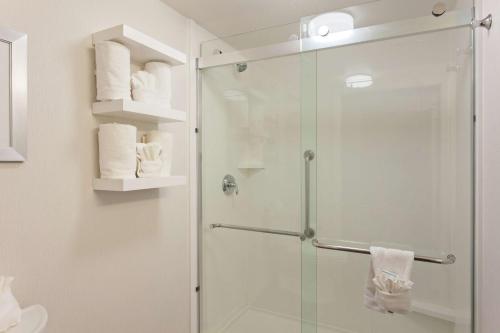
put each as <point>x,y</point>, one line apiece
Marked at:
<point>251,166</point>
<point>143,48</point>
<point>133,110</point>
<point>134,184</point>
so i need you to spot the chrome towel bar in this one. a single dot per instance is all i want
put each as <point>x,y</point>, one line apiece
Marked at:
<point>262,230</point>
<point>450,258</point>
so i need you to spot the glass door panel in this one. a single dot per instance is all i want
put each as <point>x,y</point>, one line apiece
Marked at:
<point>251,129</point>
<point>394,169</point>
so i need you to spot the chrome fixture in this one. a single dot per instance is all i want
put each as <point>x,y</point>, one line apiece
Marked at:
<point>229,185</point>
<point>308,157</point>
<point>241,67</point>
<point>486,22</point>
<point>450,258</point>
<point>439,9</point>
<point>261,230</point>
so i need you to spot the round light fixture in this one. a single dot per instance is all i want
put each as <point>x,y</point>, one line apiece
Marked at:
<point>359,81</point>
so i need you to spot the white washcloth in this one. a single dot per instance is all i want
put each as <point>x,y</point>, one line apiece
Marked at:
<point>10,312</point>
<point>388,286</point>
<point>144,87</point>
<point>117,150</point>
<point>112,71</point>
<point>166,140</point>
<point>163,75</point>
<point>149,160</point>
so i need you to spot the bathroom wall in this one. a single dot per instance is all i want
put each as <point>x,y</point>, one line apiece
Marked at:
<point>489,175</point>
<point>98,261</point>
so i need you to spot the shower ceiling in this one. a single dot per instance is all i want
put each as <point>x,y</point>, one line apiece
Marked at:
<point>230,17</point>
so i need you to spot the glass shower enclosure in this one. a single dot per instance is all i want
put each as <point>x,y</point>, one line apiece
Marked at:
<point>314,147</point>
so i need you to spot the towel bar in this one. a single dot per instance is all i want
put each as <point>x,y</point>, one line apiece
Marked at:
<point>450,258</point>
<point>262,230</point>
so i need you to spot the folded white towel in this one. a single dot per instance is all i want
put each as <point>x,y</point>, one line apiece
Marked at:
<point>112,71</point>
<point>144,87</point>
<point>149,160</point>
<point>10,312</point>
<point>166,140</point>
<point>117,150</point>
<point>388,286</point>
<point>163,74</point>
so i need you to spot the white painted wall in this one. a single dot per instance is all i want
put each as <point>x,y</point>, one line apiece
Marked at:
<point>100,262</point>
<point>489,175</point>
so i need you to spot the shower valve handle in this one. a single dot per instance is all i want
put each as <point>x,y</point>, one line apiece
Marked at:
<point>229,185</point>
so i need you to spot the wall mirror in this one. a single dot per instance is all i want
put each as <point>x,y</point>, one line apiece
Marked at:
<point>13,95</point>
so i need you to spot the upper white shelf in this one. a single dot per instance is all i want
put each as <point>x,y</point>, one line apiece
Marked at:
<point>129,109</point>
<point>143,48</point>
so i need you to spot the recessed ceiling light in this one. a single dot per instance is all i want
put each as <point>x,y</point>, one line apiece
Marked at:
<point>359,81</point>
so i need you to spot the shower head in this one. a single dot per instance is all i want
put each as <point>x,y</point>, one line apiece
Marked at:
<point>439,9</point>
<point>241,67</point>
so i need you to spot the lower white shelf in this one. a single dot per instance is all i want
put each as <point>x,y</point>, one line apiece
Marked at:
<point>134,184</point>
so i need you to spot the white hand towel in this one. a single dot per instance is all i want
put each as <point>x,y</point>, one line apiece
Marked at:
<point>10,312</point>
<point>149,160</point>
<point>388,286</point>
<point>117,150</point>
<point>144,87</point>
<point>166,140</point>
<point>112,71</point>
<point>163,74</point>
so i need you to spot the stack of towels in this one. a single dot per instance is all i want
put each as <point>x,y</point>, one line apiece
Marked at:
<point>152,85</point>
<point>388,286</point>
<point>10,312</point>
<point>121,157</point>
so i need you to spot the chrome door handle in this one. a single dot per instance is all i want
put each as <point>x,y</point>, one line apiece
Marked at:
<point>308,157</point>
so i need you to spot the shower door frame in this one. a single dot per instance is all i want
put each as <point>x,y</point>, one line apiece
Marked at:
<point>416,26</point>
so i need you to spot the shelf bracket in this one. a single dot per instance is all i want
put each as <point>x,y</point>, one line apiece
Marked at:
<point>486,22</point>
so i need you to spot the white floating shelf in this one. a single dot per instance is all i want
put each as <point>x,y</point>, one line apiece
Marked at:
<point>134,184</point>
<point>138,111</point>
<point>143,48</point>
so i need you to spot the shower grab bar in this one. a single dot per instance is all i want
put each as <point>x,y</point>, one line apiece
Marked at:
<point>261,230</point>
<point>450,258</point>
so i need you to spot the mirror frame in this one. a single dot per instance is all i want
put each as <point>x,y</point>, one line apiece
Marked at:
<point>18,95</point>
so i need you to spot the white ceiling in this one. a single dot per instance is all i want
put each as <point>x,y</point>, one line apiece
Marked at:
<point>230,17</point>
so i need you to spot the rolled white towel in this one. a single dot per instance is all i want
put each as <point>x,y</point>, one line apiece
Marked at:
<point>148,160</point>
<point>163,74</point>
<point>112,71</point>
<point>117,150</point>
<point>10,312</point>
<point>166,140</point>
<point>144,87</point>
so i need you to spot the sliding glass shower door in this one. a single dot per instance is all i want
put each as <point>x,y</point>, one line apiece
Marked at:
<point>394,169</point>
<point>254,214</point>
<point>310,158</point>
